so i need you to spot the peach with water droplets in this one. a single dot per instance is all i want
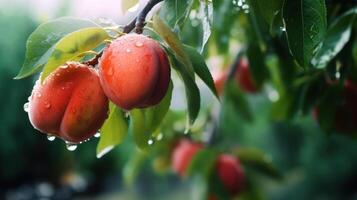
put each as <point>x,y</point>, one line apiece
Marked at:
<point>69,104</point>
<point>134,72</point>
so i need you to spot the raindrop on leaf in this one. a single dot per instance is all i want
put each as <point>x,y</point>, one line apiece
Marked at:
<point>150,142</point>
<point>97,135</point>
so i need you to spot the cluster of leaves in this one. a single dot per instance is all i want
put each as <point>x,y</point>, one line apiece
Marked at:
<point>296,47</point>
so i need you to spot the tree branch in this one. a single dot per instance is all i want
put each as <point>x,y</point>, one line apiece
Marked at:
<point>140,20</point>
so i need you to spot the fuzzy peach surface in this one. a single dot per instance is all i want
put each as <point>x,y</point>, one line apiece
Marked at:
<point>69,104</point>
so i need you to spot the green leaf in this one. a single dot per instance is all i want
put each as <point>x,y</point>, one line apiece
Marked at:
<point>154,115</point>
<point>200,67</point>
<point>138,128</point>
<point>39,46</point>
<point>256,159</point>
<point>223,20</point>
<point>305,23</point>
<point>206,15</point>
<point>133,166</point>
<point>277,25</point>
<point>257,66</point>
<point>175,12</point>
<point>191,89</point>
<point>206,156</point>
<point>113,131</point>
<point>145,122</point>
<point>127,4</point>
<point>72,46</point>
<point>175,44</point>
<point>267,8</point>
<point>200,188</point>
<point>337,36</point>
<point>234,96</point>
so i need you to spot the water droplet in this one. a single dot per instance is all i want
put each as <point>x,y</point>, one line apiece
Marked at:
<point>283,29</point>
<point>51,137</point>
<point>338,75</point>
<point>128,50</point>
<point>97,135</point>
<point>139,44</point>
<point>58,74</point>
<point>110,71</point>
<point>47,105</point>
<point>159,137</point>
<point>38,95</point>
<point>26,107</point>
<point>150,142</point>
<point>64,66</point>
<point>71,146</point>
<point>63,87</point>
<point>127,114</point>
<point>273,95</point>
<point>245,6</point>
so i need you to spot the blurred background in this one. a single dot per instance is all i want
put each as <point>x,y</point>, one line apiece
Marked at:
<point>314,165</point>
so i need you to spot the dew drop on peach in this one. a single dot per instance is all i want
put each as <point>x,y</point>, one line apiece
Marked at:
<point>51,137</point>
<point>139,44</point>
<point>97,135</point>
<point>26,107</point>
<point>71,146</point>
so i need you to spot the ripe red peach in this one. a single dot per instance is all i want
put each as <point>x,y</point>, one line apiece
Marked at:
<point>69,104</point>
<point>230,173</point>
<point>183,154</point>
<point>134,72</point>
<point>242,77</point>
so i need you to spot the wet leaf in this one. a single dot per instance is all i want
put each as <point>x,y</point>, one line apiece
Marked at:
<point>175,44</point>
<point>113,131</point>
<point>305,23</point>
<point>200,67</point>
<point>72,46</point>
<point>40,44</point>
<point>336,38</point>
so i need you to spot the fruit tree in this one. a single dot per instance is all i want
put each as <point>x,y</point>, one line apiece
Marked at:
<point>298,57</point>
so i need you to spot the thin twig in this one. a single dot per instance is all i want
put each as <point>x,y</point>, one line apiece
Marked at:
<point>140,20</point>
